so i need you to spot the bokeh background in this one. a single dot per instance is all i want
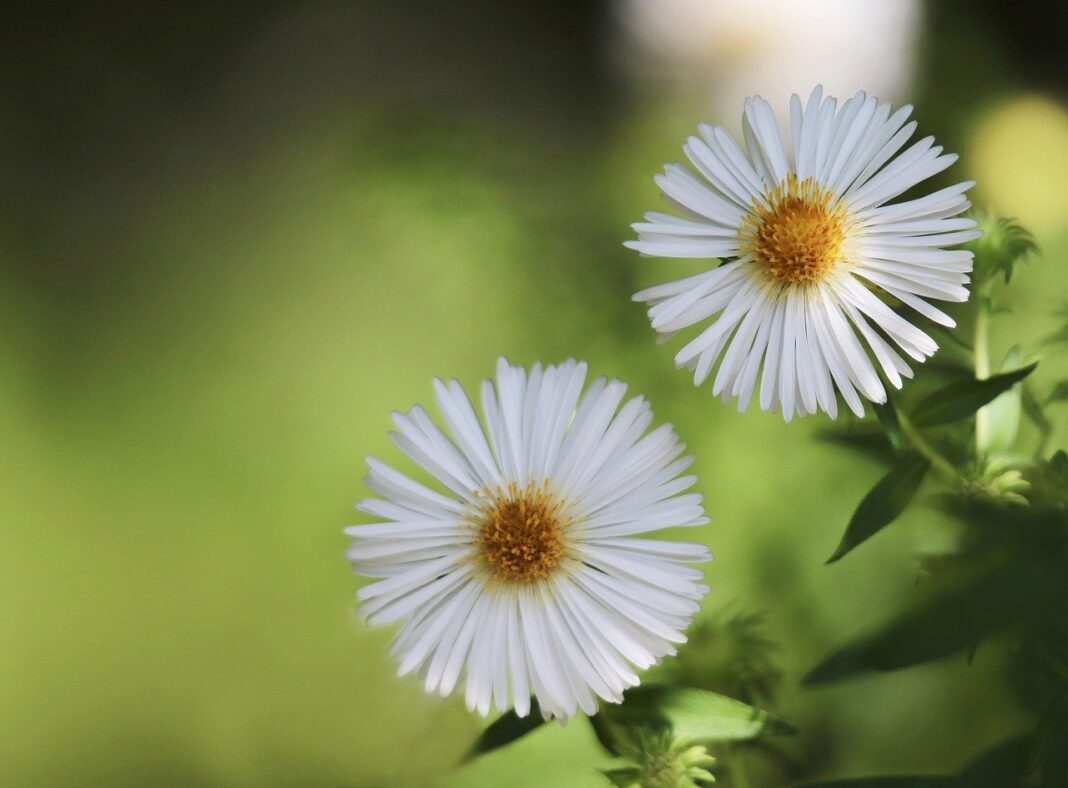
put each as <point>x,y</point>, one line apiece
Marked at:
<point>235,236</point>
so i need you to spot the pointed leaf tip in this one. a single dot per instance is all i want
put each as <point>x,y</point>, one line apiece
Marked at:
<point>962,398</point>
<point>883,503</point>
<point>504,730</point>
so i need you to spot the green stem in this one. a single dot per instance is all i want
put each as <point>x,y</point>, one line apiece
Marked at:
<point>920,444</point>
<point>982,370</point>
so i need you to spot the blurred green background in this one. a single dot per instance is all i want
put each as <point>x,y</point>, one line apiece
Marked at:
<point>235,236</point>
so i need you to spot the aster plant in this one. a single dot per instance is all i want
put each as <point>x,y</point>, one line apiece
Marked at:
<point>528,572</point>
<point>531,579</point>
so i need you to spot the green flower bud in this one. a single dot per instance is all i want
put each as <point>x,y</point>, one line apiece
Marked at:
<point>1004,243</point>
<point>661,760</point>
<point>997,482</point>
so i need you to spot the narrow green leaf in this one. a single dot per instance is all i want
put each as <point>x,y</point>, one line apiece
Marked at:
<point>505,730</point>
<point>962,398</point>
<point>960,613</point>
<point>884,502</point>
<point>1001,766</point>
<point>696,714</point>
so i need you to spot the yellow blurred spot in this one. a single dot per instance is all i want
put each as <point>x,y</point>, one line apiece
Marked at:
<point>1019,149</point>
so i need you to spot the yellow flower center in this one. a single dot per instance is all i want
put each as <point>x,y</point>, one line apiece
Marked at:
<point>520,534</point>
<point>799,235</point>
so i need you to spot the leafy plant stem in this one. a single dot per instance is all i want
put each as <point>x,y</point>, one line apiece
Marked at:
<point>920,444</point>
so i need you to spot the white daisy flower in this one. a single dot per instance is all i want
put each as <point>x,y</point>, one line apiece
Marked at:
<point>525,578</point>
<point>814,250</point>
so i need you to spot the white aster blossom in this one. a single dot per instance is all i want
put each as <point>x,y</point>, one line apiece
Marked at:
<point>814,251</point>
<point>524,576</point>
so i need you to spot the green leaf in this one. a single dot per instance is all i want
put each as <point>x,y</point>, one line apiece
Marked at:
<point>884,502</point>
<point>697,714</point>
<point>1001,766</point>
<point>505,730</point>
<point>957,615</point>
<point>962,398</point>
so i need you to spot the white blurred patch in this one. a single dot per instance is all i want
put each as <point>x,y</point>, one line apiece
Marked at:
<point>730,49</point>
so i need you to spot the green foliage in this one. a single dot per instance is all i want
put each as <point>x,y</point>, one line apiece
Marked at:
<point>692,714</point>
<point>696,714</point>
<point>1001,577</point>
<point>884,502</point>
<point>661,760</point>
<point>962,398</point>
<point>1005,574</point>
<point>504,730</point>
<point>957,615</point>
<point>1002,766</point>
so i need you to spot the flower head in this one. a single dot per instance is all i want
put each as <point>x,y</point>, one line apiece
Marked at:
<point>814,251</point>
<point>523,577</point>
